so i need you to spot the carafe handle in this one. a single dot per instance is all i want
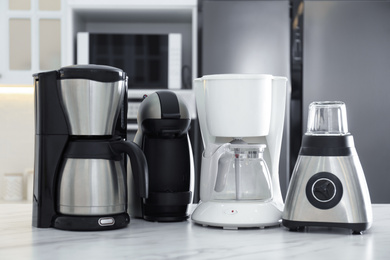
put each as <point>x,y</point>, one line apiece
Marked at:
<point>138,164</point>
<point>217,163</point>
<point>222,171</point>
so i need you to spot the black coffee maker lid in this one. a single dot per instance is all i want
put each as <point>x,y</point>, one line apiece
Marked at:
<point>94,72</point>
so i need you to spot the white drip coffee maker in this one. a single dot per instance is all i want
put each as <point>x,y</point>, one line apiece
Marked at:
<point>241,118</point>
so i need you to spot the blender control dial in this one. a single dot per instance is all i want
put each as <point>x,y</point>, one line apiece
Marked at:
<point>324,190</point>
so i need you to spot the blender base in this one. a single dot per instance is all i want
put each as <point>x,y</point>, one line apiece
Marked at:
<point>357,228</point>
<point>237,214</point>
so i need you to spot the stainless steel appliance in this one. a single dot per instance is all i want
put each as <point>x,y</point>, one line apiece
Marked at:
<point>328,187</point>
<point>80,174</point>
<point>241,118</point>
<point>163,124</point>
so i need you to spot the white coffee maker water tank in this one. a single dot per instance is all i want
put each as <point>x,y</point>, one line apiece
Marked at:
<point>238,106</point>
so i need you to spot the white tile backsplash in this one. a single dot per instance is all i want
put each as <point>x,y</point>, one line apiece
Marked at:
<point>16,136</point>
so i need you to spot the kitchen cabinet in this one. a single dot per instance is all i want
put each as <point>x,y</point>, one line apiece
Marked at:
<point>40,35</point>
<point>32,38</point>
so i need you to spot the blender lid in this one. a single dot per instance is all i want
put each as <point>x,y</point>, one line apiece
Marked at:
<point>94,72</point>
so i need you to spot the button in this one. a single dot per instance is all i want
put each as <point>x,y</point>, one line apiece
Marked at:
<point>109,221</point>
<point>231,211</point>
<point>324,190</point>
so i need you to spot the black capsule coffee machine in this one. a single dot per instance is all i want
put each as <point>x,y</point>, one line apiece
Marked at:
<point>163,123</point>
<point>80,149</point>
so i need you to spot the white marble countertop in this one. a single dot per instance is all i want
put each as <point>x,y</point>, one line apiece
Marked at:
<point>186,240</point>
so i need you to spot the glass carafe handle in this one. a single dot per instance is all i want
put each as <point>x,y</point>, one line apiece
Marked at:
<point>267,177</point>
<point>222,172</point>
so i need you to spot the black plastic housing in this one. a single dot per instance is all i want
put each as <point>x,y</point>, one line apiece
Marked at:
<point>92,72</point>
<point>88,223</point>
<point>357,228</point>
<point>50,141</point>
<point>317,145</point>
<point>167,149</point>
<point>168,154</point>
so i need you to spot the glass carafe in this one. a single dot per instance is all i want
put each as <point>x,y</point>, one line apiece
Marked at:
<point>242,174</point>
<point>327,118</point>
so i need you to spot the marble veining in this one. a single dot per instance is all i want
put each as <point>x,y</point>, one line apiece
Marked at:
<point>186,240</point>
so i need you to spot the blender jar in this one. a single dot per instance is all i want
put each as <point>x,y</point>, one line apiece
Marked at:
<point>327,118</point>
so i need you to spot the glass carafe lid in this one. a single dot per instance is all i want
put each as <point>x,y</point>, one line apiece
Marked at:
<point>327,118</point>
<point>243,174</point>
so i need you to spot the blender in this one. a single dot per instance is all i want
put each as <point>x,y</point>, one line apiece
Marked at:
<point>241,118</point>
<point>328,187</point>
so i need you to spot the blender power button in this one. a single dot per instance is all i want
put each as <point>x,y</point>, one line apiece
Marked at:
<point>109,221</point>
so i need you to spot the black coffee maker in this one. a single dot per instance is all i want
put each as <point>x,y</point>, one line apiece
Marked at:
<point>163,124</point>
<point>80,149</point>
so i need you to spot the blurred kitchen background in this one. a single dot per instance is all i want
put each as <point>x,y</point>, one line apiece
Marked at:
<point>329,50</point>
